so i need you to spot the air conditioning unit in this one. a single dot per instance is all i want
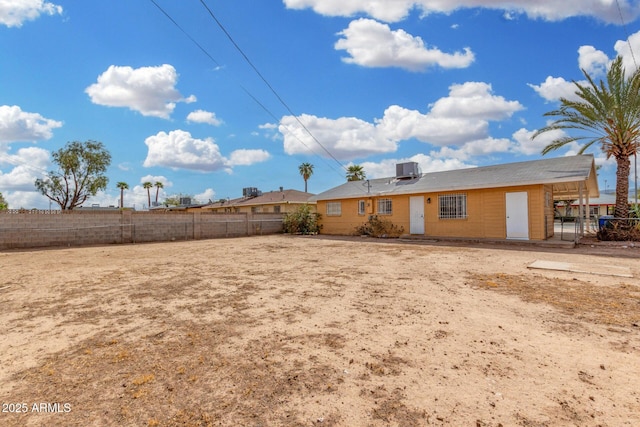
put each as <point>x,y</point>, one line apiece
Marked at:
<point>251,192</point>
<point>407,170</point>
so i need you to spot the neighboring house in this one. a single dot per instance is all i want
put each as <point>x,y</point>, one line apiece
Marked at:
<point>255,201</point>
<point>598,206</point>
<point>509,201</point>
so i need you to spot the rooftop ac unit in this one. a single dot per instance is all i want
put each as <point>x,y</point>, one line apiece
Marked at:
<point>185,201</point>
<point>251,192</point>
<point>407,170</point>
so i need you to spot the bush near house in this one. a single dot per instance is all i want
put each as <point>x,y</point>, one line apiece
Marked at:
<point>301,221</point>
<point>379,227</point>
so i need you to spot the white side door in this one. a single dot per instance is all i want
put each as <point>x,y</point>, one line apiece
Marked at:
<point>416,215</point>
<point>517,216</point>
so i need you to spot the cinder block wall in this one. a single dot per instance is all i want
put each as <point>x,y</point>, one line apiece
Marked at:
<point>29,229</point>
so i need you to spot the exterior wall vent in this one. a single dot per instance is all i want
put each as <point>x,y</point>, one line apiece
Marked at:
<point>407,170</point>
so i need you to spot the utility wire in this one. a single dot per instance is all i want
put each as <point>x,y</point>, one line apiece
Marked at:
<point>626,33</point>
<point>256,100</point>
<point>266,82</point>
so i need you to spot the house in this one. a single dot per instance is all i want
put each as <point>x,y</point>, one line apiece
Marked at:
<point>509,201</point>
<point>255,201</point>
<point>598,206</point>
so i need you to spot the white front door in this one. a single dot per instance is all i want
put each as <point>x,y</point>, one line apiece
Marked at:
<point>416,209</point>
<point>517,216</point>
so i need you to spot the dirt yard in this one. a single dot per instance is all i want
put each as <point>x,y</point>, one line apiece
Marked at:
<point>312,331</point>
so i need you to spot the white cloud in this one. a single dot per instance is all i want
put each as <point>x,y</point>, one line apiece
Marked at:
<point>27,200</point>
<point>372,44</point>
<point>461,117</point>
<point>624,48</point>
<point>205,196</point>
<point>29,163</point>
<point>455,120</point>
<point>396,10</point>
<point>17,125</point>
<point>593,61</point>
<point>345,137</point>
<point>178,149</point>
<point>387,167</point>
<point>474,149</point>
<point>13,13</point>
<point>201,116</point>
<point>244,157</point>
<point>554,88</point>
<point>148,90</point>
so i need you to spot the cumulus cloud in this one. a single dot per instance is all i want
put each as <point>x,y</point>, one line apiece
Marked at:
<point>554,88</point>
<point>17,125</point>
<point>345,137</point>
<point>244,157</point>
<point>201,116</point>
<point>474,149</point>
<point>455,120</point>
<point>372,44</point>
<point>13,13</point>
<point>592,60</point>
<point>28,164</point>
<point>179,150</point>
<point>625,48</point>
<point>397,10</point>
<point>149,90</point>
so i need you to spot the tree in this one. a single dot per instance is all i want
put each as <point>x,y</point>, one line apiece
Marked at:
<point>610,114</point>
<point>158,186</point>
<point>306,170</point>
<point>3,203</point>
<point>80,174</point>
<point>122,186</point>
<point>147,185</point>
<point>355,173</point>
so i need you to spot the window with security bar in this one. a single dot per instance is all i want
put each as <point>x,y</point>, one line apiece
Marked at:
<point>334,208</point>
<point>385,207</point>
<point>453,206</point>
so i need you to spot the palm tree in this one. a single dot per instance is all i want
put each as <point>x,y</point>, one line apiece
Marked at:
<point>355,173</point>
<point>610,113</point>
<point>147,185</point>
<point>306,170</point>
<point>122,186</point>
<point>158,186</point>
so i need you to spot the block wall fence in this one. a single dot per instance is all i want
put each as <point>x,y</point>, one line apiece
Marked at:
<point>31,229</point>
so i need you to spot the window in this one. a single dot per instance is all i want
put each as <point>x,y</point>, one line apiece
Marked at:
<point>453,206</point>
<point>334,208</point>
<point>276,209</point>
<point>385,207</point>
<point>361,207</point>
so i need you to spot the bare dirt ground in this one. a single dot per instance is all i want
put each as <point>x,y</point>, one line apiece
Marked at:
<point>312,331</point>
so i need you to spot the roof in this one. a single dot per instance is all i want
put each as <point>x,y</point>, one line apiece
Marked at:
<point>269,198</point>
<point>564,173</point>
<point>604,199</point>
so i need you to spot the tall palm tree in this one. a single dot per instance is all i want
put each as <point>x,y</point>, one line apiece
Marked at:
<point>610,114</point>
<point>306,170</point>
<point>147,185</point>
<point>122,186</point>
<point>355,173</point>
<point>158,186</point>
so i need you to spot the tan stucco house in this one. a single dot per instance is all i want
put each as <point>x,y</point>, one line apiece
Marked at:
<point>255,201</point>
<point>508,201</point>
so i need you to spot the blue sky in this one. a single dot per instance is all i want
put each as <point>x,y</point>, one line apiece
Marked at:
<point>446,83</point>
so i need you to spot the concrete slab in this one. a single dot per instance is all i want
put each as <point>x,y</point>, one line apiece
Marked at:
<point>601,270</point>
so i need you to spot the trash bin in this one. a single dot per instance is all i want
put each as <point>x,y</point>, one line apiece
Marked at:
<point>604,221</point>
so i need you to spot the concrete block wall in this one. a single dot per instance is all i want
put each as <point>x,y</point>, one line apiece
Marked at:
<point>31,229</point>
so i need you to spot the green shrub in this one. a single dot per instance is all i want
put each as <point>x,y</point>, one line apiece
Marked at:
<point>379,227</point>
<point>301,221</point>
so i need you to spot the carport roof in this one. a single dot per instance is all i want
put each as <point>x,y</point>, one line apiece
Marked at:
<point>564,173</point>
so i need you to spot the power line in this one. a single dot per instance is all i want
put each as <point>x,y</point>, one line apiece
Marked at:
<point>266,82</point>
<point>626,32</point>
<point>254,98</point>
